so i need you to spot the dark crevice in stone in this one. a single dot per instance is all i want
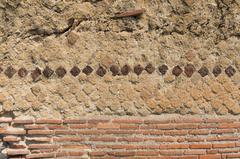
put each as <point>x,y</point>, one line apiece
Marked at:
<point>22,72</point>
<point>189,69</point>
<point>177,70</point>
<point>138,69</point>
<point>101,71</point>
<point>115,70</point>
<point>203,71</point>
<point>48,72</point>
<point>125,70</point>
<point>163,69</point>
<point>75,71</point>
<point>60,71</point>
<point>10,71</point>
<point>150,68</point>
<point>217,71</point>
<point>36,74</point>
<point>230,71</point>
<point>87,70</point>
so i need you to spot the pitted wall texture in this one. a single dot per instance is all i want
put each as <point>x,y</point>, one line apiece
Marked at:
<point>63,59</point>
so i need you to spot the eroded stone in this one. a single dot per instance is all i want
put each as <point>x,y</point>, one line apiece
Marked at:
<point>230,71</point>
<point>87,70</point>
<point>203,71</point>
<point>22,72</point>
<point>10,71</point>
<point>189,69</point>
<point>48,72</point>
<point>101,71</point>
<point>1,69</point>
<point>138,69</point>
<point>60,71</point>
<point>163,69</point>
<point>177,70</point>
<point>75,71</point>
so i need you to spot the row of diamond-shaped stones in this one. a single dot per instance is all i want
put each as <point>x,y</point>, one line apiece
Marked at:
<point>189,69</point>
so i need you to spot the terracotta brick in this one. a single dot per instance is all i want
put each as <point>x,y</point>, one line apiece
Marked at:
<point>78,153</point>
<point>175,132</point>
<point>29,127</point>
<point>13,131</point>
<point>233,155</point>
<point>224,145</point>
<point>108,126</point>
<point>133,121</point>
<point>82,126</point>
<point>74,121</point>
<point>49,121</point>
<point>68,139</point>
<point>186,126</point>
<point>96,121</point>
<point>11,139</point>
<point>147,153</point>
<point>97,153</point>
<point>129,126</point>
<point>200,146</point>
<point>171,152</point>
<point>195,152</point>
<point>23,121</point>
<point>174,146</point>
<point>103,139</point>
<point>157,121</point>
<point>14,152</point>
<point>5,120</point>
<point>199,132</point>
<point>40,132</point>
<point>223,131</point>
<point>42,146</point>
<point>219,120</point>
<point>229,125</point>
<point>39,139</point>
<point>131,139</point>
<point>121,153</point>
<point>42,155</point>
<point>211,156</point>
<point>65,132</point>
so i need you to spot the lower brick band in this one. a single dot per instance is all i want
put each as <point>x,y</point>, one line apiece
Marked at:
<point>163,137</point>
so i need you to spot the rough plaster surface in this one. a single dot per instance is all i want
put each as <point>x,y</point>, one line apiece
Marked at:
<point>82,32</point>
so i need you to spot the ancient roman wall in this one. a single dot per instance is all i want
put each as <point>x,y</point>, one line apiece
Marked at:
<point>67,59</point>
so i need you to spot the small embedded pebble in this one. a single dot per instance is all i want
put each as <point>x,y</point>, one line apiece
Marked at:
<point>203,71</point>
<point>75,71</point>
<point>22,72</point>
<point>48,72</point>
<point>60,71</point>
<point>163,69</point>
<point>177,70</point>
<point>101,71</point>
<point>87,70</point>
<point>189,69</point>
<point>115,70</point>
<point>217,71</point>
<point>125,70</point>
<point>150,68</point>
<point>230,71</point>
<point>36,74</point>
<point>138,69</point>
<point>10,71</point>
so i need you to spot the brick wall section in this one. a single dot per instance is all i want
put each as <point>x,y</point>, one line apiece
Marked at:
<point>163,137</point>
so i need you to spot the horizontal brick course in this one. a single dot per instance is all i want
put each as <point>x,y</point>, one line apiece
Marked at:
<point>119,137</point>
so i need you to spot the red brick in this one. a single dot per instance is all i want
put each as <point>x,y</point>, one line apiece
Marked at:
<point>233,155</point>
<point>200,146</point>
<point>222,138</point>
<point>29,127</point>
<point>157,121</point>
<point>186,126</point>
<point>49,121</point>
<point>68,139</point>
<point>65,132</point>
<point>224,145</point>
<point>129,126</point>
<point>53,127</point>
<point>40,132</point>
<point>220,120</point>
<point>14,152</point>
<point>230,150</point>
<point>73,147</point>
<point>147,153</point>
<point>229,125</point>
<point>39,139</point>
<point>11,139</point>
<point>199,132</point>
<point>189,120</point>
<point>79,153</point>
<point>123,120</point>
<point>96,121</point>
<point>17,146</point>
<point>152,132</point>
<point>43,155</point>
<point>195,152</point>
<point>91,132</point>
<point>103,139</point>
<point>82,126</point>
<point>5,120</point>
<point>175,132</point>
<point>211,156</point>
<point>97,153</point>
<point>13,131</point>
<point>171,152</point>
<point>131,139</point>
<point>23,121</point>
<point>108,126</point>
<point>121,153</point>
<point>42,146</point>
<point>174,146</point>
<point>122,132</point>
<point>74,121</point>
<point>161,139</point>
<point>223,131</point>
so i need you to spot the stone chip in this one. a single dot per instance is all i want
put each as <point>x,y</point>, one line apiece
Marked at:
<point>163,69</point>
<point>36,74</point>
<point>101,71</point>
<point>48,72</point>
<point>60,71</point>
<point>87,70</point>
<point>203,71</point>
<point>22,72</point>
<point>138,69</point>
<point>177,70</point>
<point>230,71</point>
<point>115,70</point>
<point>75,71</point>
<point>125,70</point>
<point>150,68</point>
<point>217,71</point>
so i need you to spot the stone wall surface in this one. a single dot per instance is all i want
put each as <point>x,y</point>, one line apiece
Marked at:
<point>68,58</point>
